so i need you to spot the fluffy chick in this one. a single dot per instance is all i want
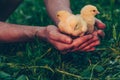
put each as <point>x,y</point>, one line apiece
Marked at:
<point>71,24</point>
<point>88,14</point>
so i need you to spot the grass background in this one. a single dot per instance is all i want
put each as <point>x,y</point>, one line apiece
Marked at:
<point>39,60</point>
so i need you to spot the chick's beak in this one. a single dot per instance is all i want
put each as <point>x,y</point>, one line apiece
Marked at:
<point>97,12</point>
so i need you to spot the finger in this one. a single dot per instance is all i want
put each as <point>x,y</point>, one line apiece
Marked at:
<point>95,38</point>
<point>60,46</point>
<point>77,49</point>
<point>81,40</point>
<point>88,44</point>
<point>91,45</point>
<point>60,37</point>
<point>101,33</point>
<point>99,24</point>
<point>95,33</point>
<point>54,34</point>
<point>92,49</point>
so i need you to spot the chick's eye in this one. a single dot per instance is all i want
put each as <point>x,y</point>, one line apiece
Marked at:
<point>93,10</point>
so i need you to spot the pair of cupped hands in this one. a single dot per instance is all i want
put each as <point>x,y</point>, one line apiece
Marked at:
<point>65,43</point>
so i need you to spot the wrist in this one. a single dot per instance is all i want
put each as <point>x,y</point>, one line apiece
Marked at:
<point>40,33</point>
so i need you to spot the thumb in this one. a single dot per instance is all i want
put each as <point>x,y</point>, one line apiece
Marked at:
<point>99,24</point>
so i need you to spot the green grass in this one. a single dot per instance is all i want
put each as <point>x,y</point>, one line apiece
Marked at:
<point>40,61</point>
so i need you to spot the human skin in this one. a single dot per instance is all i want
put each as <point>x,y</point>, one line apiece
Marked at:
<point>19,33</point>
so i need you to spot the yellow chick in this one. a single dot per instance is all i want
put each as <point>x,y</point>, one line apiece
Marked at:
<point>71,24</point>
<point>88,13</point>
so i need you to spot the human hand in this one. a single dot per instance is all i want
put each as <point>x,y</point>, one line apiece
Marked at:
<point>57,39</point>
<point>90,44</point>
<point>66,44</point>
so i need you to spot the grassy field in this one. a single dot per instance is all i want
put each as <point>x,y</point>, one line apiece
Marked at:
<point>41,61</point>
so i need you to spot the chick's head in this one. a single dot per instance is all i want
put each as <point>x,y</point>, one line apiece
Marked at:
<point>63,15</point>
<point>89,10</point>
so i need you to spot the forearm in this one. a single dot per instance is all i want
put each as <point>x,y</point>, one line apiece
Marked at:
<point>53,6</point>
<point>17,33</point>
